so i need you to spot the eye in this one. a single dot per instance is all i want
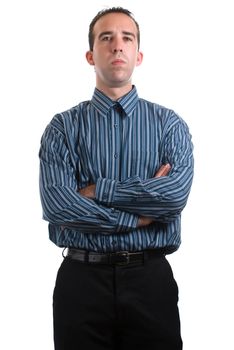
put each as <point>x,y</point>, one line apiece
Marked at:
<point>127,38</point>
<point>106,38</point>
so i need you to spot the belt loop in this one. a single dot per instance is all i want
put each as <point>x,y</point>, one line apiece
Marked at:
<point>145,256</point>
<point>63,254</point>
<point>86,258</point>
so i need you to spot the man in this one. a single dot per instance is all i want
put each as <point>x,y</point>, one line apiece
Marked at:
<point>115,174</point>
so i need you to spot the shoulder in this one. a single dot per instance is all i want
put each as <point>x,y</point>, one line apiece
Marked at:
<point>71,114</point>
<point>166,119</point>
<point>163,114</point>
<point>65,120</point>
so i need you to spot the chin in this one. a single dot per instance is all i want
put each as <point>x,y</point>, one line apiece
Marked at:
<point>121,80</point>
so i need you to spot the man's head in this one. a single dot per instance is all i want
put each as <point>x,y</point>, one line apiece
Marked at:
<point>104,12</point>
<point>114,49</point>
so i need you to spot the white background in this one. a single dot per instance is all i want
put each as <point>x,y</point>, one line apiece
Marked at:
<point>188,66</point>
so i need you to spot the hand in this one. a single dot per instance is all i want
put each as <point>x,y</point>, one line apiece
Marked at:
<point>163,171</point>
<point>88,191</point>
<point>144,221</point>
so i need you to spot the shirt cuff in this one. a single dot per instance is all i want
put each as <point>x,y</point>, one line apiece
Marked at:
<point>127,222</point>
<point>105,189</point>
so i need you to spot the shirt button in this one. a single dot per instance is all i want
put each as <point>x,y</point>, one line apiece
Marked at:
<point>114,242</point>
<point>116,125</point>
<point>116,155</point>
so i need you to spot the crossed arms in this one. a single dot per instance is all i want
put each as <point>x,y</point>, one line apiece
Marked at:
<point>90,192</point>
<point>111,206</point>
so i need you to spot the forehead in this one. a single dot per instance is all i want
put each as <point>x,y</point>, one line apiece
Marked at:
<point>115,22</point>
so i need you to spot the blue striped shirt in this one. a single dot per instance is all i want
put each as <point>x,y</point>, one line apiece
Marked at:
<point>119,146</point>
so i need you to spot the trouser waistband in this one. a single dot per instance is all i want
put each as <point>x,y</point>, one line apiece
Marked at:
<point>115,258</point>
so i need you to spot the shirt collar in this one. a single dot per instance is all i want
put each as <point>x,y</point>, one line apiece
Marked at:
<point>103,103</point>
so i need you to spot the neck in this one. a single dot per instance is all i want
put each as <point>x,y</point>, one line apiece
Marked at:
<point>114,93</point>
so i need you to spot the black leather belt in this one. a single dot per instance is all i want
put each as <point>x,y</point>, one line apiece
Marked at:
<point>116,258</point>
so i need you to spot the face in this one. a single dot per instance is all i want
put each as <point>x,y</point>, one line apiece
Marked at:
<point>115,52</point>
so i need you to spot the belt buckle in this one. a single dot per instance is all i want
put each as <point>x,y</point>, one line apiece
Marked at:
<point>121,258</point>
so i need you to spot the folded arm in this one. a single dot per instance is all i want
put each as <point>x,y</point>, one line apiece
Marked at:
<point>162,197</point>
<point>62,204</point>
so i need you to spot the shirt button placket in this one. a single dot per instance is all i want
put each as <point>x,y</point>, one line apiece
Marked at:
<point>116,150</point>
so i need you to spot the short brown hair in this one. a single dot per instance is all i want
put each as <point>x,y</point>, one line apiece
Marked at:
<point>106,12</point>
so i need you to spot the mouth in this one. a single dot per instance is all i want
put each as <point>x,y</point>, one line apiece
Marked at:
<point>118,62</point>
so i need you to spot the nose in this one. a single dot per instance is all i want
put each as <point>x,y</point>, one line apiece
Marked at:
<point>117,45</point>
<point>117,50</point>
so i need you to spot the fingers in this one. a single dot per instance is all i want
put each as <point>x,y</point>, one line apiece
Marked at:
<point>144,221</point>
<point>88,191</point>
<point>163,171</point>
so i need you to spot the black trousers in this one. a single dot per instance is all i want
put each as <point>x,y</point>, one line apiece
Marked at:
<point>116,307</point>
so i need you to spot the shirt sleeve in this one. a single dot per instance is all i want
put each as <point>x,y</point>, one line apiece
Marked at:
<point>61,203</point>
<point>161,198</point>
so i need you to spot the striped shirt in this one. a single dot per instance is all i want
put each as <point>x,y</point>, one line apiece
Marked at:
<point>119,146</point>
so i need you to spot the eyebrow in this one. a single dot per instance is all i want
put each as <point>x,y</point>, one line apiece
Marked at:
<point>111,32</point>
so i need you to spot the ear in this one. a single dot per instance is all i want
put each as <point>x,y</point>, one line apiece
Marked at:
<point>89,57</point>
<point>139,58</point>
